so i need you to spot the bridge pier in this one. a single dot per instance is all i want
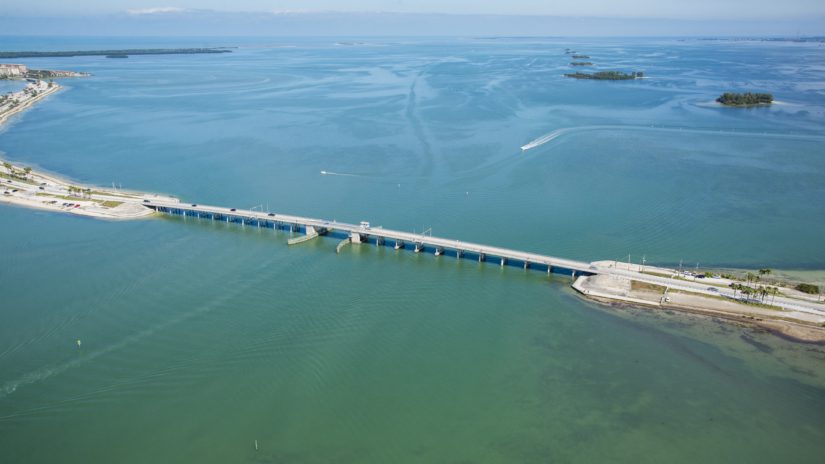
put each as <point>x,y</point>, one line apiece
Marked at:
<point>355,238</point>
<point>481,257</point>
<point>526,265</point>
<point>458,254</point>
<point>399,244</point>
<point>503,261</point>
<point>419,247</point>
<point>379,241</point>
<point>549,269</point>
<point>439,251</point>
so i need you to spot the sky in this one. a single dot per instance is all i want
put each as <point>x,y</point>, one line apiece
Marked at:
<point>675,9</point>
<point>414,17</point>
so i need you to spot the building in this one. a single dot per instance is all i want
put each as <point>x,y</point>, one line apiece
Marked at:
<point>13,70</point>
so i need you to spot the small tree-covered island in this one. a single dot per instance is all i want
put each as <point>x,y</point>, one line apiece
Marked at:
<point>745,99</point>
<point>607,75</point>
<point>581,63</point>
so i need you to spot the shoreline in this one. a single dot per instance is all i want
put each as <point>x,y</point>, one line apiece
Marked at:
<point>5,115</point>
<point>48,192</point>
<point>790,325</point>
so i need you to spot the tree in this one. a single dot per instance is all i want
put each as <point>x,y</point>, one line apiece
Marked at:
<point>808,288</point>
<point>765,271</point>
<point>735,288</point>
<point>27,170</point>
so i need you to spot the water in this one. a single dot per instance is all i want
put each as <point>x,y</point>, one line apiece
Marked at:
<point>200,338</point>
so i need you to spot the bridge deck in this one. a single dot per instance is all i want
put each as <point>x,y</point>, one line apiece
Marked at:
<point>374,233</point>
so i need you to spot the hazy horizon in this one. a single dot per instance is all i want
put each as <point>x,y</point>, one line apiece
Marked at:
<point>173,22</point>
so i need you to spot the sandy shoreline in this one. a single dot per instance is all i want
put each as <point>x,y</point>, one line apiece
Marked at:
<point>51,193</point>
<point>4,116</point>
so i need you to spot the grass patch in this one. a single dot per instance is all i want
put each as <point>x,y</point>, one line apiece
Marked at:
<point>657,274</point>
<point>636,285</point>
<point>111,194</point>
<point>62,197</point>
<point>17,179</point>
<point>111,204</point>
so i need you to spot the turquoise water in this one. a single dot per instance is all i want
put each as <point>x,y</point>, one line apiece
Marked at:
<point>199,338</point>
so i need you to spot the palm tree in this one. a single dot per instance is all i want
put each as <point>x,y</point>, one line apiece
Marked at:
<point>735,287</point>
<point>765,271</point>
<point>28,171</point>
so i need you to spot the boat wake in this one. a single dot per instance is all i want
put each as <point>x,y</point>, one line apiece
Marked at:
<point>691,130</point>
<point>544,139</point>
<point>330,173</point>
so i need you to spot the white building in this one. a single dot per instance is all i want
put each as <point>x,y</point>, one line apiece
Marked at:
<point>13,70</point>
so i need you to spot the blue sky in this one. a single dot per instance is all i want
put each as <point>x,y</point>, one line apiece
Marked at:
<point>677,9</point>
<point>413,17</point>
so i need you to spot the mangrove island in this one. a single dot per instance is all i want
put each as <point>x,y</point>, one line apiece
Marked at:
<point>745,99</point>
<point>114,53</point>
<point>607,75</point>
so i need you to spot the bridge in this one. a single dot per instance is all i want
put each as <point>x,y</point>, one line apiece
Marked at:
<point>365,234</point>
<point>422,243</point>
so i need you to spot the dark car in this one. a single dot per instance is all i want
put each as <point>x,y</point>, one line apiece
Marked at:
<point>233,209</point>
<point>193,205</point>
<point>271,214</point>
<point>146,201</point>
<point>42,188</point>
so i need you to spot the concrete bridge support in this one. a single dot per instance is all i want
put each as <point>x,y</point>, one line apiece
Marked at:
<point>399,244</point>
<point>419,247</point>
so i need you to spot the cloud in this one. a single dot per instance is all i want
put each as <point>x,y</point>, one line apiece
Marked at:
<point>156,10</point>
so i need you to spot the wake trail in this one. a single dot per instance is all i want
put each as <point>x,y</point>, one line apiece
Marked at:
<point>344,174</point>
<point>687,130</point>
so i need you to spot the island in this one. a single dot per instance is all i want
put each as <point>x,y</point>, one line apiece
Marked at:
<point>607,75</point>
<point>581,63</point>
<point>745,99</point>
<point>113,53</point>
<point>581,57</point>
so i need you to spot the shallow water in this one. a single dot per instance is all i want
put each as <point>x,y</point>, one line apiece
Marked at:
<point>198,339</point>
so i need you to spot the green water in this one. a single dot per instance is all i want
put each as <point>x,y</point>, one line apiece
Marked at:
<point>200,339</point>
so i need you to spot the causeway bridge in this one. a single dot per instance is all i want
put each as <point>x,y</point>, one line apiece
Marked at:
<point>363,233</point>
